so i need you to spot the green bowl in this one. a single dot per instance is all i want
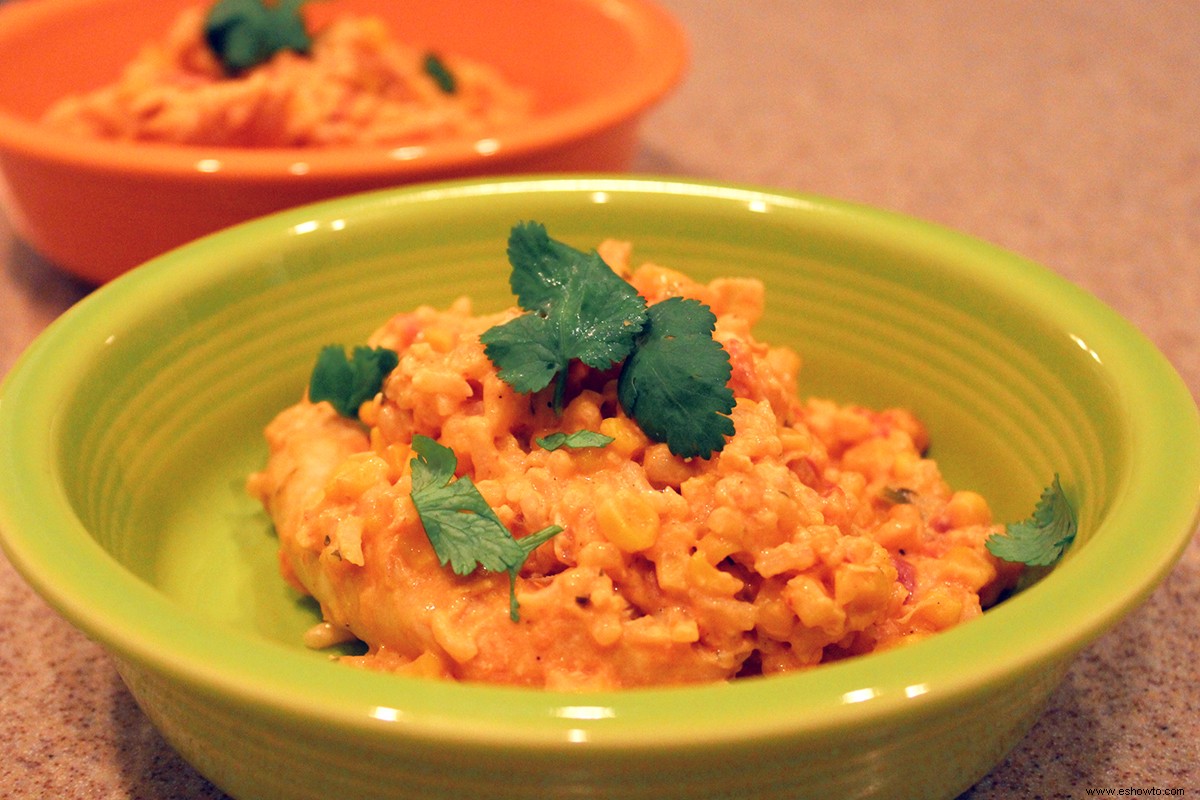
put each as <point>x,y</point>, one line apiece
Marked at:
<point>127,430</point>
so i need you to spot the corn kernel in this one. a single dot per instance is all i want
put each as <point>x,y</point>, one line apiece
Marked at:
<point>601,556</point>
<point>606,631</point>
<point>443,384</point>
<point>325,634</point>
<point>861,590</point>
<point>965,567</point>
<point>704,576</point>
<point>426,665</point>
<point>456,640</point>
<point>397,456</point>
<point>628,520</point>
<point>850,425</point>
<point>627,438</point>
<point>583,413</point>
<point>717,548</point>
<point>346,542</point>
<point>813,605</point>
<point>905,465</point>
<point>938,610</point>
<point>501,405</point>
<point>905,420</point>
<point>368,411</point>
<point>684,631</point>
<point>795,440</point>
<point>775,618</point>
<point>440,340</point>
<point>873,457</point>
<point>901,530</point>
<point>968,508</point>
<point>664,469</point>
<point>742,297</point>
<point>589,459</point>
<point>785,362</point>
<point>417,554</point>
<point>356,474</point>
<point>671,573</point>
<point>726,523</point>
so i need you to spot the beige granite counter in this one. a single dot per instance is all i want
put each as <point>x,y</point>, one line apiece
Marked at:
<point>1066,131</point>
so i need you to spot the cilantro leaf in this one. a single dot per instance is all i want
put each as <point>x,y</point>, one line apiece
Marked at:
<point>348,382</point>
<point>246,33</point>
<point>674,381</point>
<point>578,439</point>
<point>538,276</point>
<point>463,529</point>
<point>524,352</point>
<point>675,384</point>
<point>1043,538</point>
<point>436,68</point>
<point>897,495</point>
<point>578,308</point>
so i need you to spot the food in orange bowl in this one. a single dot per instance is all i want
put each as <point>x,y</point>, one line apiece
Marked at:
<point>235,74</point>
<point>585,72</point>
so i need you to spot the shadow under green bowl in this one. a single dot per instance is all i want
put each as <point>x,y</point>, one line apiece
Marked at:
<point>128,428</point>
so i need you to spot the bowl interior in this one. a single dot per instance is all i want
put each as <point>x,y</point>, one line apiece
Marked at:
<point>131,425</point>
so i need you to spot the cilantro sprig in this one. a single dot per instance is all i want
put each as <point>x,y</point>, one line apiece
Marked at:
<point>463,529</point>
<point>579,310</point>
<point>674,376</point>
<point>675,382</point>
<point>575,441</point>
<point>245,33</point>
<point>436,68</point>
<point>348,382</point>
<point>1041,539</point>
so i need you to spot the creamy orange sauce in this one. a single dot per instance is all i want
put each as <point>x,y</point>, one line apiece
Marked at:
<point>820,532</point>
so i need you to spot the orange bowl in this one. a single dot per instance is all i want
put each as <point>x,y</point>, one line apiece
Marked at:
<point>98,208</point>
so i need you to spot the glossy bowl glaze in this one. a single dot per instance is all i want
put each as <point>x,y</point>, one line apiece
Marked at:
<point>127,430</point>
<point>98,208</point>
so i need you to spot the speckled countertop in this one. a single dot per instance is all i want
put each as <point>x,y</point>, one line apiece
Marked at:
<point>1065,131</point>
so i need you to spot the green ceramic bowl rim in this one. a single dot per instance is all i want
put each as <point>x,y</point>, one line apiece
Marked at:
<point>1039,629</point>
